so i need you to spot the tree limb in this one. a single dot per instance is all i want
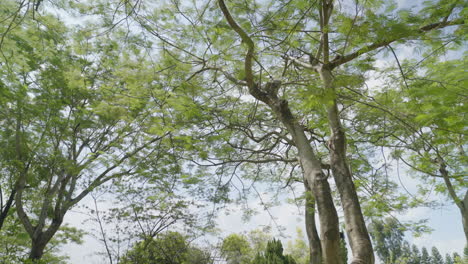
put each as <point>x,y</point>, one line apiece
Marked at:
<point>342,60</point>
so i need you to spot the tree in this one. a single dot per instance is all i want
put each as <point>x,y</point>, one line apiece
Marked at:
<point>299,248</point>
<point>405,26</point>
<point>236,249</point>
<point>436,256</point>
<point>168,248</point>
<point>273,254</point>
<point>272,40</point>
<point>78,115</point>
<point>448,259</point>
<point>456,258</point>
<point>425,135</point>
<point>425,257</point>
<point>388,237</point>
<point>16,244</point>
<point>415,255</point>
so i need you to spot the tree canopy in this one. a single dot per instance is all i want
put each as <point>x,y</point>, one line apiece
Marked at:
<point>153,116</point>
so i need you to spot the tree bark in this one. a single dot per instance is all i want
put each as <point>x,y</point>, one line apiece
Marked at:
<point>40,239</point>
<point>355,225</point>
<point>461,204</point>
<point>37,248</point>
<point>311,227</point>
<point>317,181</point>
<point>464,213</point>
<point>4,211</point>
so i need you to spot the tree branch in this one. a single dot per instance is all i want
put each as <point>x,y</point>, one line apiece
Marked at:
<point>342,60</point>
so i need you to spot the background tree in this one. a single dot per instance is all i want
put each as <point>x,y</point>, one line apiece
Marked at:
<point>299,248</point>
<point>168,248</point>
<point>236,249</point>
<point>425,257</point>
<point>436,256</point>
<point>388,238</point>
<point>273,254</point>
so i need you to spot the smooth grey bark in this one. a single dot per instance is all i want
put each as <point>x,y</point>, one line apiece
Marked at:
<point>355,224</point>
<point>461,204</point>
<point>317,180</point>
<point>311,227</point>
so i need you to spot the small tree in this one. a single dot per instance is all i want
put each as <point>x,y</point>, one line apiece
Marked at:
<point>236,249</point>
<point>436,256</point>
<point>168,248</point>
<point>425,258</point>
<point>448,259</point>
<point>273,255</point>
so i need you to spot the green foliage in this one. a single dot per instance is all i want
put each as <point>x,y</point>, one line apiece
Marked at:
<point>387,236</point>
<point>299,248</point>
<point>124,93</point>
<point>236,249</point>
<point>343,250</point>
<point>436,256</point>
<point>16,243</point>
<point>425,257</point>
<point>167,248</point>
<point>273,254</point>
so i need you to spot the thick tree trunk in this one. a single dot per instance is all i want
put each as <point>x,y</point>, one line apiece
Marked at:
<point>356,229</point>
<point>37,248</point>
<point>317,181</point>
<point>40,239</point>
<point>311,227</point>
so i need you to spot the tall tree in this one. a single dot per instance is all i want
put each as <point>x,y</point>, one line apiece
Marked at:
<point>80,114</point>
<point>323,64</point>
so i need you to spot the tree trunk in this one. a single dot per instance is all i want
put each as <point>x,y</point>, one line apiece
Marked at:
<point>461,204</point>
<point>464,213</point>
<point>355,225</point>
<point>4,211</point>
<point>37,248</point>
<point>311,227</point>
<point>317,181</point>
<point>40,239</point>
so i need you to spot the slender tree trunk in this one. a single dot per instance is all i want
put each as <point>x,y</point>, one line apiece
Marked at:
<point>311,227</point>
<point>356,229</point>
<point>461,204</point>
<point>4,211</point>
<point>464,214</point>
